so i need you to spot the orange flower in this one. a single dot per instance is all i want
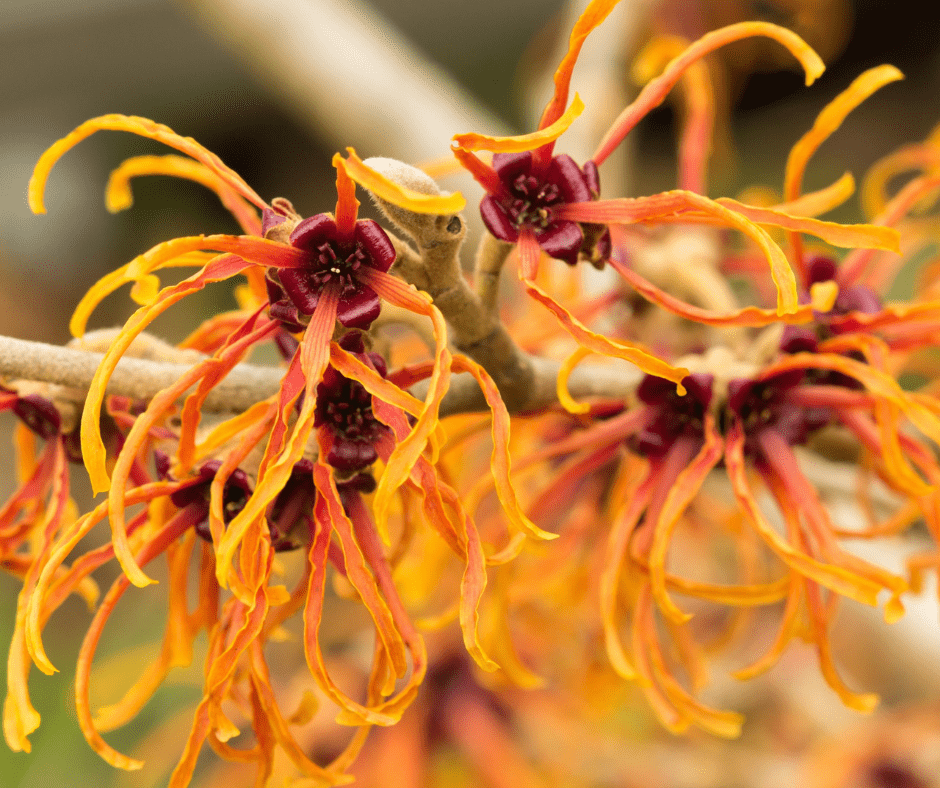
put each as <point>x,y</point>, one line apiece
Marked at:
<point>559,214</point>
<point>295,470</point>
<point>745,424</point>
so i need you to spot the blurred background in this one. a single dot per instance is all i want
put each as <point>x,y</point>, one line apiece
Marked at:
<point>276,86</point>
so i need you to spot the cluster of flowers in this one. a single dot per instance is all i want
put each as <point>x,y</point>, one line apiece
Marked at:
<point>352,463</point>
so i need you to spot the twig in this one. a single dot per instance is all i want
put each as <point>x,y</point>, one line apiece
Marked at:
<point>525,382</point>
<point>617,380</point>
<point>491,257</point>
<point>435,268</point>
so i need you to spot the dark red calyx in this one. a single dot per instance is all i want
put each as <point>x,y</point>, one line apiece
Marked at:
<point>278,220</point>
<point>196,494</point>
<point>820,268</point>
<point>671,416</point>
<point>764,404</point>
<point>331,260</point>
<point>529,197</point>
<point>39,414</point>
<point>290,517</point>
<point>344,409</point>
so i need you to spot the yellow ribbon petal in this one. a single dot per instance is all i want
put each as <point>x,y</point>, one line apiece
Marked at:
<point>399,195</point>
<point>522,142</point>
<point>656,91</point>
<point>829,120</point>
<point>145,128</point>
<point>847,236</point>
<point>820,201</point>
<point>118,195</point>
<point>561,384</point>
<point>592,16</point>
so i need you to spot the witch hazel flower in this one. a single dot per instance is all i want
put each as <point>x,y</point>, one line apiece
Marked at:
<point>528,193</point>
<point>813,292</point>
<point>39,506</point>
<point>544,191</point>
<point>194,494</point>
<point>344,412</point>
<point>761,419</point>
<point>544,202</point>
<point>332,260</point>
<point>290,517</point>
<point>294,470</point>
<point>864,277</point>
<point>746,421</point>
<point>331,268</point>
<point>531,191</point>
<point>527,184</point>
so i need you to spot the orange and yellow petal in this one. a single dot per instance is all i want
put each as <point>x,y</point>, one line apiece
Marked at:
<point>144,128</point>
<point>399,195</point>
<point>656,91</point>
<point>119,197</point>
<point>522,142</point>
<point>592,16</point>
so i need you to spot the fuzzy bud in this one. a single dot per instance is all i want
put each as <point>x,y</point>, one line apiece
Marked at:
<point>426,229</point>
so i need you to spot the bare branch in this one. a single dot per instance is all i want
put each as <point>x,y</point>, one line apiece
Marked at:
<point>395,100</point>
<point>139,379</point>
<point>435,268</point>
<point>525,382</point>
<point>246,384</point>
<point>617,380</point>
<point>491,257</point>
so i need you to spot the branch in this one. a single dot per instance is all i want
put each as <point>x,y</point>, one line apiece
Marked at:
<point>475,328</point>
<point>246,384</point>
<point>617,380</point>
<point>137,378</point>
<point>525,382</point>
<point>394,99</point>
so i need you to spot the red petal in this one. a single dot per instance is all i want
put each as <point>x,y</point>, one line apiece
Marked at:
<point>497,221</point>
<point>312,231</point>
<point>570,178</point>
<point>482,173</point>
<point>296,281</point>
<point>562,240</point>
<point>377,244</point>
<point>359,309</point>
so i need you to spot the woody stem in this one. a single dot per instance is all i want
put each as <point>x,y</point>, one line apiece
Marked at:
<point>247,384</point>
<point>136,378</point>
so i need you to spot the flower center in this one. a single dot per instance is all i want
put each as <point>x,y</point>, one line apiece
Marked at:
<point>766,404</point>
<point>196,497</point>
<point>328,266</point>
<point>670,416</point>
<point>290,516</point>
<point>350,413</point>
<point>532,200</point>
<point>344,411</point>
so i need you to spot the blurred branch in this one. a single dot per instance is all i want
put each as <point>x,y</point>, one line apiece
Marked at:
<point>601,78</point>
<point>392,99</point>
<point>617,380</point>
